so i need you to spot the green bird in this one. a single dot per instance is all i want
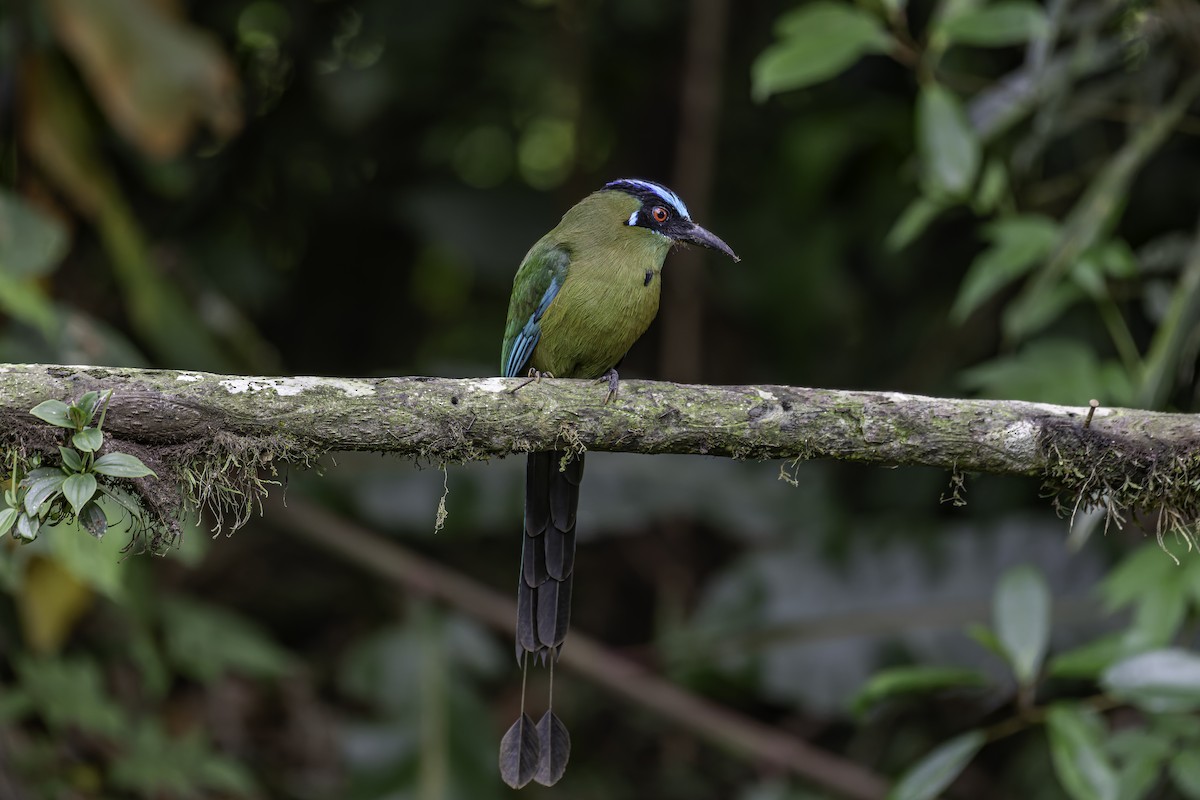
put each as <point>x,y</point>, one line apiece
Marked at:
<point>584,293</point>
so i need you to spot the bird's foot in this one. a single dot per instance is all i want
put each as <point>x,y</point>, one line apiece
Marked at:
<point>534,375</point>
<point>612,377</point>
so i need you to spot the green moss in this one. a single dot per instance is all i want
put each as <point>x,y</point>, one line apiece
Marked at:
<point>1138,478</point>
<point>569,436</point>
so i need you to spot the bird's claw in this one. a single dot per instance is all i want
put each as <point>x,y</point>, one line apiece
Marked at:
<point>533,376</point>
<point>612,378</point>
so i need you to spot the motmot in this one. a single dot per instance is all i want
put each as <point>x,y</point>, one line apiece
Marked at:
<point>583,294</point>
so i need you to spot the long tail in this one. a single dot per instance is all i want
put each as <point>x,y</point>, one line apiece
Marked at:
<point>548,552</point>
<point>527,751</point>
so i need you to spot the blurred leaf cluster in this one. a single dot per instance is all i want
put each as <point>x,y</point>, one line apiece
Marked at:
<point>1004,144</point>
<point>1135,667</point>
<point>1009,142</point>
<point>108,718</point>
<point>988,196</point>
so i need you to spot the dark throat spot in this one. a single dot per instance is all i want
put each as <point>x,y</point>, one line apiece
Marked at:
<point>649,277</point>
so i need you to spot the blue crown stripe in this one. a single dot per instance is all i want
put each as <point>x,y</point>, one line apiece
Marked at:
<point>657,189</point>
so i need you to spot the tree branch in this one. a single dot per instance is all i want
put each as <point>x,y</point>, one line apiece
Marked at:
<point>1122,459</point>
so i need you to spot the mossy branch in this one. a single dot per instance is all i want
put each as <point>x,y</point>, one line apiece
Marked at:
<point>215,433</point>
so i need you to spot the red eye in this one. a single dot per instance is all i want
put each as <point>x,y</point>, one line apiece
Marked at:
<point>659,214</point>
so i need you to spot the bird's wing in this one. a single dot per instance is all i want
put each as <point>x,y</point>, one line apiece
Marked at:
<point>538,280</point>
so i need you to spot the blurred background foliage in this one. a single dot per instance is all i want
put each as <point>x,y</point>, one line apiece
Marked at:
<point>942,196</point>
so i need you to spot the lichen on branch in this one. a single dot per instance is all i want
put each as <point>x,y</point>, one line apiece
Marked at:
<point>213,438</point>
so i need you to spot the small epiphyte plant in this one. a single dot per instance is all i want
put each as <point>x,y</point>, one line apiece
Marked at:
<point>55,493</point>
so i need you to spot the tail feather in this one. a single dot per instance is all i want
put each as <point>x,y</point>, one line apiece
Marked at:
<point>560,554</point>
<point>537,492</point>
<point>533,560</point>
<point>564,494</point>
<point>527,638</point>
<point>553,612</point>
<point>548,551</point>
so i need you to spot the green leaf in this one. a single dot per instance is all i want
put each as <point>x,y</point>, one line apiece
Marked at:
<point>27,527</point>
<point>908,680</point>
<point>87,404</point>
<point>948,9</point>
<point>1178,726</point>
<point>93,520</point>
<point>1082,767</point>
<point>121,465</point>
<point>998,25</point>
<point>1088,274</point>
<point>42,489</point>
<point>919,214</point>
<point>1166,680</point>
<point>70,693</point>
<point>1158,615</point>
<point>992,186</point>
<point>88,440</point>
<point>1087,661</point>
<point>930,776</point>
<point>71,459</point>
<point>1141,756</point>
<point>79,489</point>
<point>26,301</point>
<point>986,637</point>
<point>1021,617</point>
<point>1019,243</point>
<point>227,776</point>
<point>153,763</point>
<point>1117,259</point>
<point>1126,584</point>
<point>8,518</point>
<point>1047,370</point>
<point>948,148</point>
<point>205,642</point>
<point>31,242</point>
<point>56,412</point>
<point>40,473</point>
<point>1185,773</point>
<point>1127,743</point>
<point>816,42</point>
<point>1029,313</point>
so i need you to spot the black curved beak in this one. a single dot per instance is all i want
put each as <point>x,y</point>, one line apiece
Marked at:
<point>698,235</point>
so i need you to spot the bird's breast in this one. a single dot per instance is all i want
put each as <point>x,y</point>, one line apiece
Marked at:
<point>601,310</point>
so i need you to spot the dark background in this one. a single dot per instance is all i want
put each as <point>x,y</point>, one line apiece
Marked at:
<point>346,187</point>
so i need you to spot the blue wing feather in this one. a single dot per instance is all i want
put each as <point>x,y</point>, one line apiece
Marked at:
<point>527,338</point>
<point>539,278</point>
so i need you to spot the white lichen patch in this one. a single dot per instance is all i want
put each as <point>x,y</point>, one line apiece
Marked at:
<point>290,387</point>
<point>494,385</point>
<point>768,396</point>
<point>350,388</point>
<point>189,376</point>
<point>1020,439</point>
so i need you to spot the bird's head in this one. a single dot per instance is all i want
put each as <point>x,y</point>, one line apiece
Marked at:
<point>660,211</point>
